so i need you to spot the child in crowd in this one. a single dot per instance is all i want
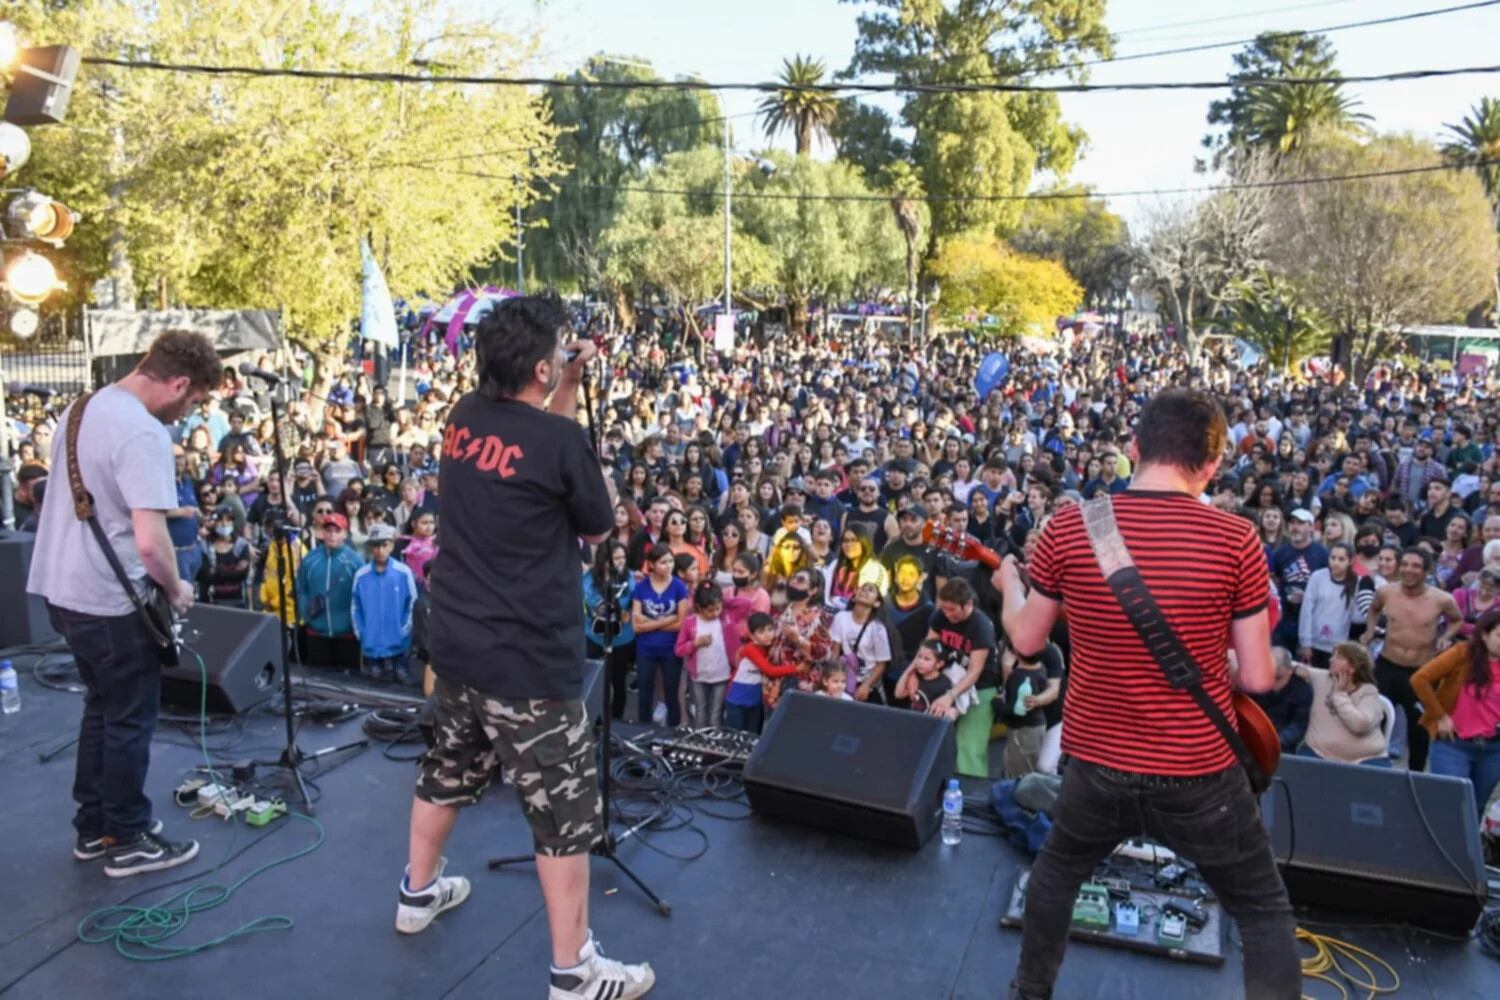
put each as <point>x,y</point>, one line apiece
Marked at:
<point>421,545</point>
<point>745,704</point>
<point>709,645</point>
<point>685,568</point>
<point>1031,684</point>
<point>930,680</point>
<point>835,680</point>
<point>385,597</point>
<point>325,592</point>
<point>658,606</point>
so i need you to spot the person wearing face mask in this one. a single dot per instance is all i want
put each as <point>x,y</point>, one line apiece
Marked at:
<point>226,562</point>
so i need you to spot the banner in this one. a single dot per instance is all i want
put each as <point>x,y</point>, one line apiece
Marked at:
<point>377,314</point>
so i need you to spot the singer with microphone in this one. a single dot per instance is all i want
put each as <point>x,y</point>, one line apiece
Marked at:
<point>520,485</point>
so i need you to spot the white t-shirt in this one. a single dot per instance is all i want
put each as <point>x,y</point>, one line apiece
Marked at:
<point>874,647</point>
<point>713,659</point>
<point>125,460</point>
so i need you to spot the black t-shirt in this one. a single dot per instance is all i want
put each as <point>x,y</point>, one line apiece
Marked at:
<point>874,518</point>
<point>929,690</point>
<point>1049,665</point>
<point>519,485</point>
<point>959,640</point>
<point>378,425</point>
<point>897,548</point>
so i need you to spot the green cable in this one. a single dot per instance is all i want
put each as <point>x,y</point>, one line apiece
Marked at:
<point>139,932</point>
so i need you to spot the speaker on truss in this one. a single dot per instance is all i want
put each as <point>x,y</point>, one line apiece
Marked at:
<point>43,85</point>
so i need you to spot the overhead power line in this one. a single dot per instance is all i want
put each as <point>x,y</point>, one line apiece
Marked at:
<point>1146,28</point>
<point>1035,196</point>
<point>769,86</point>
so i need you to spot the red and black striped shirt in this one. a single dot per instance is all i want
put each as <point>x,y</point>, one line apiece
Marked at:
<point>1205,568</point>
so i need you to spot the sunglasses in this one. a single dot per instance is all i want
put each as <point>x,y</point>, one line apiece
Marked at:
<point>322,510</point>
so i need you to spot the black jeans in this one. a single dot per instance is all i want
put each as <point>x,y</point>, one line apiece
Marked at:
<point>619,675</point>
<point>122,695</point>
<point>1213,822</point>
<point>1394,681</point>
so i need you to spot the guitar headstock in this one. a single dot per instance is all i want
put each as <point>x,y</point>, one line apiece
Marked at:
<point>959,544</point>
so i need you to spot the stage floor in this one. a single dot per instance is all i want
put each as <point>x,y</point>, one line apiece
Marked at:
<point>767,911</point>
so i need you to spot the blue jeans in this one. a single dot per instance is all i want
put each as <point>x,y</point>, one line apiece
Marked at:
<point>1479,762</point>
<point>1213,821</point>
<point>1306,751</point>
<point>397,668</point>
<point>646,666</point>
<point>745,717</point>
<point>189,561</point>
<point>122,693</point>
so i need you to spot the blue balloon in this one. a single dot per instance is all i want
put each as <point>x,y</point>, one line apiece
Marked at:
<point>992,371</point>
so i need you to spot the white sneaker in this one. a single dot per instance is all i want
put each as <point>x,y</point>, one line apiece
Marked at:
<point>600,978</point>
<point>417,909</point>
<point>659,714</point>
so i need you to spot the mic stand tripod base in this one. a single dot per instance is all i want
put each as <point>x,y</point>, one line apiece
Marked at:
<point>604,849</point>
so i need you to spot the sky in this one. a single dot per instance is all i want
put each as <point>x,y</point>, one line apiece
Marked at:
<point>1135,140</point>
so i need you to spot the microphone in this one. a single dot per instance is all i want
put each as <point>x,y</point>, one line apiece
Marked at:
<point>246,368</point>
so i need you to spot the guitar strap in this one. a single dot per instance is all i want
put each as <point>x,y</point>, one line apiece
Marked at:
<point>1150,623</point>
<point>83,508</point>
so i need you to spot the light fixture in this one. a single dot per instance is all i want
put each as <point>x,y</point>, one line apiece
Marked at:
<point>39,217</point>
<point>15,148</point>
<point>23,323</point>
<point>30,278</point>
<point>10,47</point>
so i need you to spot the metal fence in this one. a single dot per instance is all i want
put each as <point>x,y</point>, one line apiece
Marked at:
<point>56,358</point>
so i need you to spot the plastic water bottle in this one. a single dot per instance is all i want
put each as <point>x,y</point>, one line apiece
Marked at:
<point>1023,691</point>
<point>953,813</point>
<point>10,689</point>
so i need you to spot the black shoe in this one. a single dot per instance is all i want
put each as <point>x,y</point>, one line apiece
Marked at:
<point>92,848</point>
<point>148,853</point>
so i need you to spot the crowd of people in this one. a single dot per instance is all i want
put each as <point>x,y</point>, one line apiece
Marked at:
<point>772,501</point>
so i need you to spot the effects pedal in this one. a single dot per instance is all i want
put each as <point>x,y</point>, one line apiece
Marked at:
<point>1127,918</point>
<point>1118,888</point>
<point>262,813</point>
<point>1091,908</point>
<point>1191,913</point>
<point>1173,930</point>
<point>186,794</point>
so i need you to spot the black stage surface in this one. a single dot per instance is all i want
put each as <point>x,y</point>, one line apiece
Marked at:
<point>768,911</point>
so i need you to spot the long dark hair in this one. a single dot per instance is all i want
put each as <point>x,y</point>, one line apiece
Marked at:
<point>1479,654</point>
<point>604,566</point>
<point>1351,578</point>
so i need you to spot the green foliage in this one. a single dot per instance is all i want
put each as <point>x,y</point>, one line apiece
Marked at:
<point>1268,313</point>
<point>983,145</point>
<point>862,135</point>
<point>1284,118</point>
<point>609,138</point>
<point>1081,233</point>
<point>1384,252</point>
<point>981,275</point>
<point>1476,142</point>
<point>237,192</point>
<point>808,113</point>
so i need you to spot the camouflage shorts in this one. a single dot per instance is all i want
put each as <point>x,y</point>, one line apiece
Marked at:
<point>545,748</point>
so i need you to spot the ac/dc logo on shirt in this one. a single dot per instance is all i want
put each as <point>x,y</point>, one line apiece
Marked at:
<point>487,454</point>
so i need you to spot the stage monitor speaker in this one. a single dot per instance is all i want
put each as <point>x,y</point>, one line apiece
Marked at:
<point>865,770</point>
<point>241,653</point>
<point>23,616</point>
<point>1380,841</point>
<point>43,85</point>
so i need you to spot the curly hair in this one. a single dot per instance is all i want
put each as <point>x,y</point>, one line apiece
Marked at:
<point>178,353</point>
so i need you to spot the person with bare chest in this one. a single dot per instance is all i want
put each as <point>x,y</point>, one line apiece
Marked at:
<point>1413,612</point>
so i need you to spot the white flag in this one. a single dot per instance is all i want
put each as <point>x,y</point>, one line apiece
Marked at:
<point>377,314</point>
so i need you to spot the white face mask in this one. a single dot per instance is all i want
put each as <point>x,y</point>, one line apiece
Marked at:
<point>224,530</point>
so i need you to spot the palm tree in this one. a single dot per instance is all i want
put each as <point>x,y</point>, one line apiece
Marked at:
<point>1282,117</point>
<point>906,196</point>
<point>1476,143</point>
<point>807,113</point>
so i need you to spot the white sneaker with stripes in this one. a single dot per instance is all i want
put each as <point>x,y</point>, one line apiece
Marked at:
<point>600,978</point>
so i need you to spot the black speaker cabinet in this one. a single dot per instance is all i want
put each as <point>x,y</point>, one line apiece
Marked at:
<point>241,654</point>
<point>1379,841</point>
<point>864,770</point>
<point>23,616</point>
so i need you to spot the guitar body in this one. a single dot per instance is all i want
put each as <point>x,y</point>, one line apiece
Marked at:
<point>1259,735</point>
<point>161,623</point>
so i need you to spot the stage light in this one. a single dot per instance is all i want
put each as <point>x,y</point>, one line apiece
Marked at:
<point>39,217</point>
<point>23,323</point>
<point>10,47</point>
<point>30,278</point>
<point>15,148</point>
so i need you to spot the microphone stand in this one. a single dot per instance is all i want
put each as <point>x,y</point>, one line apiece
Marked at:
<point>612,627</point>
<point>292,756</point>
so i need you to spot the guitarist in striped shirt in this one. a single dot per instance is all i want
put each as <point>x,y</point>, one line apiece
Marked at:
<point>1144,758</point>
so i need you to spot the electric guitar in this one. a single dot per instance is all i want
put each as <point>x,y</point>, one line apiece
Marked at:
<point>1255,728</point>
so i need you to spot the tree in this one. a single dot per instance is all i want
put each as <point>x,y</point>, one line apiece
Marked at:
<point>232,192</point>
<point>982,277</point>
<point>808,113</point>
<point>1381,253</point>
<point>909,209</point>
<point>1082,234</point>
<point>980,146</point>
<point>1270,315</point>
<point>862,135</point>
<point>609,137</point>
<point>1476,143</point>
<point>1272,54</point>
<point>1284,117</point>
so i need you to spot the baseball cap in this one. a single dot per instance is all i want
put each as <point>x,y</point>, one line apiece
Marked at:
<point>915,510</point>
<point>382,533</point>
<point>304,469</point>
<point>1302,514</point>
<point>338,520</point>
<point>797,485</point>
